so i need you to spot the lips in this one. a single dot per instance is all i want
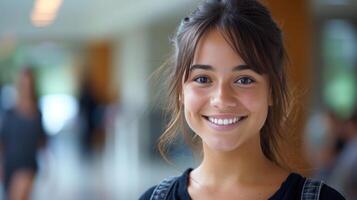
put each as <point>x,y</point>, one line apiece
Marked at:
<point>224,121</point>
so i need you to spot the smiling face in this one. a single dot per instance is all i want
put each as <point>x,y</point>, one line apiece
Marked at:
<point>225,101</point>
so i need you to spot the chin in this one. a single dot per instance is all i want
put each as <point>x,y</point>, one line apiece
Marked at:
<point>222,145</point>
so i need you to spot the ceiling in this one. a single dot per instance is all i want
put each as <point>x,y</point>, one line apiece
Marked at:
<point>85,19</point>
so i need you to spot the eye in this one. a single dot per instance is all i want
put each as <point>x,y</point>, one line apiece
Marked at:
<point>245,81</point>
<point>202,80</point>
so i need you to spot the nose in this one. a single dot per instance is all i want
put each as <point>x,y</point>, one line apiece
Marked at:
<point>223,97</point>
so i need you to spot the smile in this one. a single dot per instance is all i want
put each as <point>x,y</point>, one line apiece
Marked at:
<point>225,121</point>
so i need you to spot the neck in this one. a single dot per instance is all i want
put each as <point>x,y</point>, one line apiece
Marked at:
<point>26,107</point>
<point>246,164</point>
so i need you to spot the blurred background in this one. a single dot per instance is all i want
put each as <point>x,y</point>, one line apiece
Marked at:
<point>101,114</point>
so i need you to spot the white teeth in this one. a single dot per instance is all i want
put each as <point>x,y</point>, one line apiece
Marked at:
<point>224,122</point>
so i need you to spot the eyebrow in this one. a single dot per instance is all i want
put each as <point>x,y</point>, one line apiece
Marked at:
<point>210,68</point>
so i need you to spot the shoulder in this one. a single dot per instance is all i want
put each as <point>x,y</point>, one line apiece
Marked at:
<point>328,193</point>
<point>297,186</point>
<point>147,194</point>
<point>7,117</point>
<point>161,189</point>
<point>174,186</point>
<point>321,190</point>
<point>9,112</point>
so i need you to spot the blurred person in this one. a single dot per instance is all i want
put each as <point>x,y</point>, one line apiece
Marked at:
<point>227,82</point>
<point>344,173</point>
<point>91,118</point>
<point>1,106</point>
<point>333,142</point>
<point>21,136</point>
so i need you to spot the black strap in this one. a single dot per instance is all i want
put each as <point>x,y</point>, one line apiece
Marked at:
<point>311,189</point>
<point>162,189</point>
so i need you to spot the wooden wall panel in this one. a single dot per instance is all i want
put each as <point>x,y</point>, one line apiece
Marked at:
<point>99,61</point>
<point>295,19</point>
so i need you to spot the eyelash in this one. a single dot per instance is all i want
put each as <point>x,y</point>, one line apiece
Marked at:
<point>245,78</point>
<point>207,80</point>
<point>202,82</point>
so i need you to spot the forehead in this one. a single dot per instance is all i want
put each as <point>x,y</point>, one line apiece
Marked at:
<point>212,49</point>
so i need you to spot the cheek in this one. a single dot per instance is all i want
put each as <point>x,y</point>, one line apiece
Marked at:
<point>258,110</point>
<point>256,102</point>
<point>194,99</point>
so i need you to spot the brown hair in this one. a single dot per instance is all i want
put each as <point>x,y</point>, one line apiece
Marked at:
<point>248,27</point>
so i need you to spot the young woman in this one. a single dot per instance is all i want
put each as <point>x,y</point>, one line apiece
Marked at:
<point>21,136</point>
<point>228,83</point>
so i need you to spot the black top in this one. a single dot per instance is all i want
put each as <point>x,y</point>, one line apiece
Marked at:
<point>20,137</point>
<point>290,189</point>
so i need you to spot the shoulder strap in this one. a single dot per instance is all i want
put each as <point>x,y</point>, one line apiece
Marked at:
<point>162,189</point>
<point>311,189</point>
